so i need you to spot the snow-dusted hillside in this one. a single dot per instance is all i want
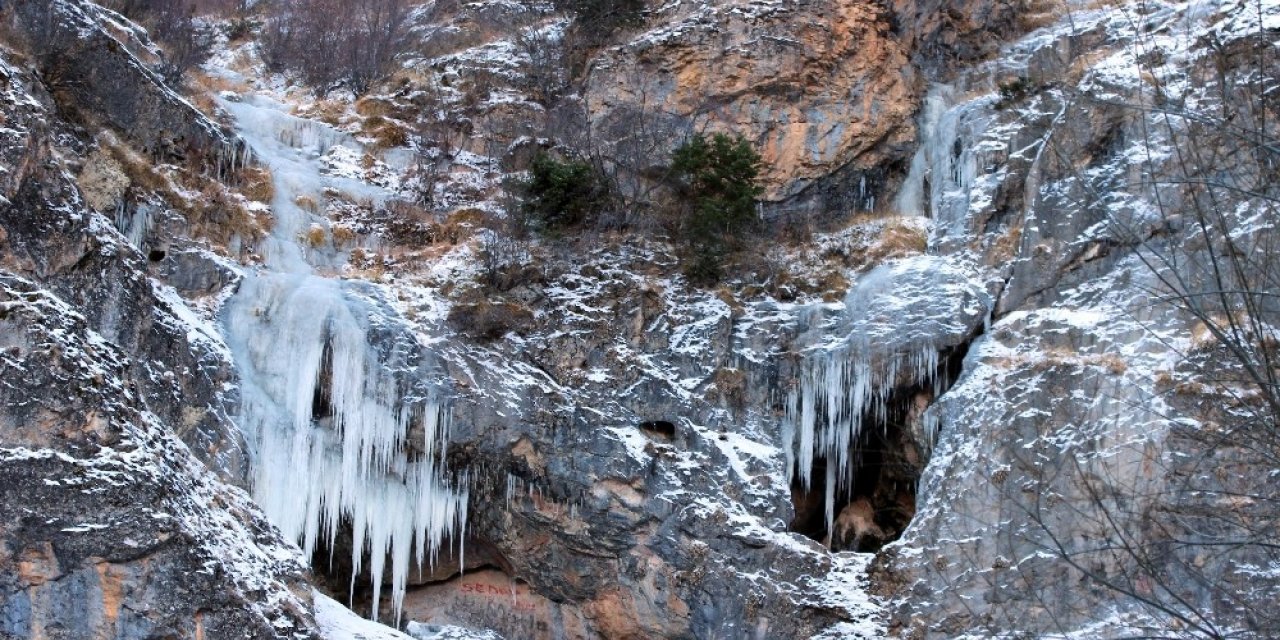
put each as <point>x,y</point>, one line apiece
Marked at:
<point>274,363</point>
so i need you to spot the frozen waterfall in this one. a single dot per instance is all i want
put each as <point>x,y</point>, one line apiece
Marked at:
<point>946,166</point>
<point>335,386</point>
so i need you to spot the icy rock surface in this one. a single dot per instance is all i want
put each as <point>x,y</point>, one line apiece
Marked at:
<point>1067,428</point>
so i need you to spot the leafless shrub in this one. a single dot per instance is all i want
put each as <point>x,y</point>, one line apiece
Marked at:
<point>335,43</point>
<point>545,68</point>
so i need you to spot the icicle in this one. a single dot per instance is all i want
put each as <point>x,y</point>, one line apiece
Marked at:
<point>332,382</point>
<point>133,224</point>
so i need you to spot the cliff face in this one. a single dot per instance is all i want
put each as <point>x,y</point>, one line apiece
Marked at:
<point>824,90</point>
<point>923,421</point>
<point>114,430</point>
<point>1076,445</point>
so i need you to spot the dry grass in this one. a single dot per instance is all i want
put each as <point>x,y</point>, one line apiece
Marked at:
<point>216,84</point>
<point>461,225</point>
<point>142,173</point>
<point>1005,247</point>
<point>256,184</point>
<point>1055,357</point>
<point>834,285</point>
<point>1036,14</point>
<point>205,86</point>
<point>331,112</point>
<point>315,236</point>
<point>386,133</point>
<point>213,211</point>
<point>371,106</point>
<point>343,236</point>
<point>726,296</point>
<point>220,216</point>
<point>488,319</point>
<point>730,385</point>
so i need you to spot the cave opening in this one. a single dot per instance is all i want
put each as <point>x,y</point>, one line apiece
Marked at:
<point>659,429</point>
<point>888,457</point>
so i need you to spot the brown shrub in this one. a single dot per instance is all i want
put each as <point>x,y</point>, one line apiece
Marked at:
<point>390,136</point>
<point>371,107</point>
<point>307,203</point>
<point>256,184</point>
<point>343,235</point>
<point>315,236</point>
<point>488,320</point>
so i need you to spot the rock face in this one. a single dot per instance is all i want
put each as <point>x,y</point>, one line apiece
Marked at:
<point>822,88</point>
<point>1066,455</point>
<point>636,515</point>
<point>102,82</point>
<point>113,527</point>
<point>115,436</point>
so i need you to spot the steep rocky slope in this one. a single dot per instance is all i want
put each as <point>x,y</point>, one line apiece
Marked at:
<point>238,366</point>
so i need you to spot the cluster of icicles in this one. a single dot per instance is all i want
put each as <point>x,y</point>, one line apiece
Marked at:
<point>333,383</point>
<point>845,384</point>
<point>842,389</point>
<point>329,425</point>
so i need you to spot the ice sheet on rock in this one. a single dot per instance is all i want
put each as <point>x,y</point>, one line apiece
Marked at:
<point>889,332</point>
<point>943,173</point>
<point>295,151</point>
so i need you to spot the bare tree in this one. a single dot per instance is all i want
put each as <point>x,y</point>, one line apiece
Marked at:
<point>336,43</point>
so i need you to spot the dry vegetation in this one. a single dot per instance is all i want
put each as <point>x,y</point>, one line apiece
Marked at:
<point>215,212</point>
<point>256,184</point>
<point>1054,357</point>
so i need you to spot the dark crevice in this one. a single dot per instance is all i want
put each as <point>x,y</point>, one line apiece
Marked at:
<point>322,398</point>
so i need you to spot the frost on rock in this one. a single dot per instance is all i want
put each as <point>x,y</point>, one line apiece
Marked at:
<point>888,334</point>
<point>148,491</point>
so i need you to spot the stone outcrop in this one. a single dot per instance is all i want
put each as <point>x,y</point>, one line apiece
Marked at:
<point>823,88</point>
<point>86,60</point>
